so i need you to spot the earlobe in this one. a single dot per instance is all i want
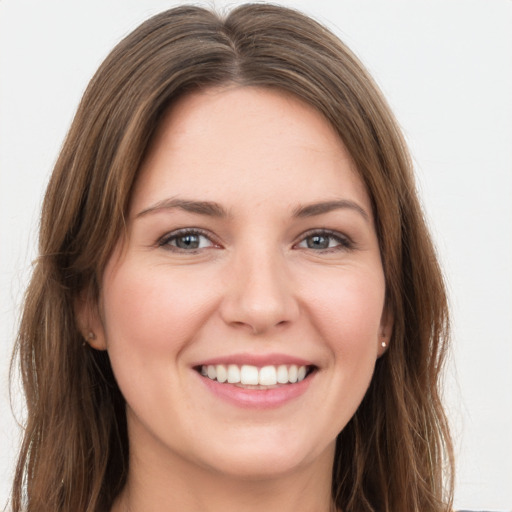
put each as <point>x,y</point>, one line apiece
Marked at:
<point>385,330</point>
<point>383,346</point>
<point>94,341</point>
<point>89,322</point>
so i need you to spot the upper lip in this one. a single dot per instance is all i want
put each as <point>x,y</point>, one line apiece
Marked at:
<point>258,360</point>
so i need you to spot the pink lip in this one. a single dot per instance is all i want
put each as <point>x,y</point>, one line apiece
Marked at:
<point>257,398</point>
<point>258,360</point>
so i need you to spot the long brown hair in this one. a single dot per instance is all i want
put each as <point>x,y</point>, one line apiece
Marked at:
<point>395,454</point>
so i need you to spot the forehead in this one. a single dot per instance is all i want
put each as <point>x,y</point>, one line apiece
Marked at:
<point>246,144</point>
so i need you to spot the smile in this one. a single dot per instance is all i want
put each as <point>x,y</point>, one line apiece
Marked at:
<point>264,381</point>
<point>249,375</point>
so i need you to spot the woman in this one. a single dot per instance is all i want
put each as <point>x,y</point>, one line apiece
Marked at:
<point>237,304</point>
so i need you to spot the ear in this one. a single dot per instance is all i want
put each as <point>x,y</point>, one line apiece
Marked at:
<point>385,330</point>
<point>89,321</point>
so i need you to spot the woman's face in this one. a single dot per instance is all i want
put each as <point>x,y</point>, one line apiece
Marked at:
<point>251,254</point>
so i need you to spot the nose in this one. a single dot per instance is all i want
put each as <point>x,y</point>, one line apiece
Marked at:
<point>259,293</point>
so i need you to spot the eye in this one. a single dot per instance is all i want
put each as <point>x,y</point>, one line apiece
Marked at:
<point>325,241</point>
<point>186,240</point>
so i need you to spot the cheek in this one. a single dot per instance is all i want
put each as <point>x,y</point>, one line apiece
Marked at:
<point>348,311</point>
<point>152,311</point>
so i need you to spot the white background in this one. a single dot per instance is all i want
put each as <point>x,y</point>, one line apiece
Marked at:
<point>445,67</point>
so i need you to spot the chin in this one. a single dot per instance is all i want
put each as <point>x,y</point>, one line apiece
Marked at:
<point>268,459</point>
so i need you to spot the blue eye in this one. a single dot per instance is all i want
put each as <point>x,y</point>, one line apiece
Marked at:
<point>322,241</point>
<point>186,240</point>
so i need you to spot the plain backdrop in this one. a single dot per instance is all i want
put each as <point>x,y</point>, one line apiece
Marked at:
<point>445,67</point>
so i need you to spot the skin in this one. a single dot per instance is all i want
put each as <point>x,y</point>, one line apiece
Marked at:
<point>256,284</point>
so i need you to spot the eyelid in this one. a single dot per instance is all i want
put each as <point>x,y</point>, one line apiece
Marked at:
<point>164,240</point>
<point>345,242</point>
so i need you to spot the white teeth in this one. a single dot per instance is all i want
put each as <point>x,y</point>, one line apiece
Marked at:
<point>222,373</point>
<point>212,372</point>
<point>268,376</point>
<point>282,374</point>
<point>233,374</point>
<point>249,375</point>
<point>252,375</point>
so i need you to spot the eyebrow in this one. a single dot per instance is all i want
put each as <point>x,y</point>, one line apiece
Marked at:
<point>213,209</point>
<point>209,208</point>
<point>314,209</point>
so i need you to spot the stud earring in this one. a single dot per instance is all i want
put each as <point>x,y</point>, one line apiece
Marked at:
<point>90,336</point>
<point>383,344</point>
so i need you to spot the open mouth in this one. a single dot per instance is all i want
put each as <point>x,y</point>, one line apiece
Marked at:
<point>254,377</point>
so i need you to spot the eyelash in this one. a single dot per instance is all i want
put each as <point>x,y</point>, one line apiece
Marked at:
<point>166,240</point>
<point>344,243</point>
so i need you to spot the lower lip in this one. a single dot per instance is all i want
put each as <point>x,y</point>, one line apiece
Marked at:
<point>257,398</point>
